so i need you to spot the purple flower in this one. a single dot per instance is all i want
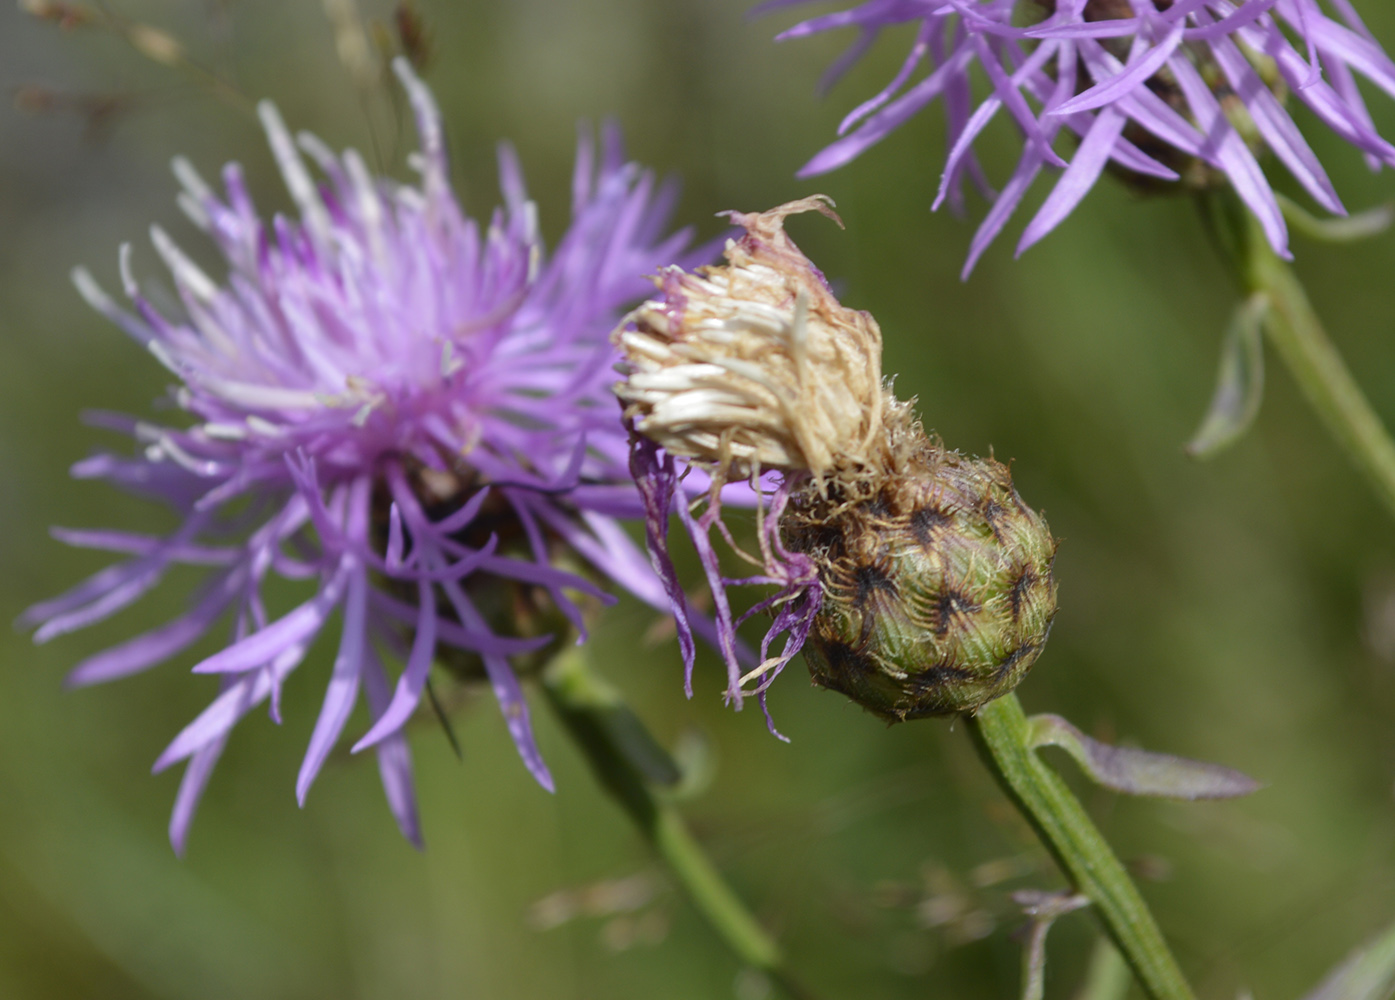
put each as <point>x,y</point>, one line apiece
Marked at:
<point>390,403</point>
<point>1144,85</point>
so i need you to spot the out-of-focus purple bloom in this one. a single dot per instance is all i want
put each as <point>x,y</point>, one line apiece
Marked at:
<point>1140,84</point>
<point>376,388</point>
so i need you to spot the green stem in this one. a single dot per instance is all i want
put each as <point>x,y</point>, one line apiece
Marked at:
<point>1107,976</point>
<point>627,761</point>
<point>1004,740</point>
<point>1297,335</point>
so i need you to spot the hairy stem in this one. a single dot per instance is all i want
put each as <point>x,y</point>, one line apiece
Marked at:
<point>1297,336</point>
<point>627,761</point>
<point>1004,740</point>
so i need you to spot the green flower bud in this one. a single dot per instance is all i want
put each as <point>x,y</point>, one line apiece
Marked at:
<point>937,585</point>
<point>915,579</point>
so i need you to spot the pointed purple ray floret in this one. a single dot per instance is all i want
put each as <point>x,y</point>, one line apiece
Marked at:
<point>1135,83</point>
<point>368,380</point>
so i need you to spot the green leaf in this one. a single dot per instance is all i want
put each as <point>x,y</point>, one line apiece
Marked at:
<point>1348,229</point>
<point>1368,973</point>
<point>1239,381</point>
<point>1140,772</point>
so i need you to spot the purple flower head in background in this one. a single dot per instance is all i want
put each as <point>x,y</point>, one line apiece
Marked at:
<point>378,392</point>
<point>1142,85</point>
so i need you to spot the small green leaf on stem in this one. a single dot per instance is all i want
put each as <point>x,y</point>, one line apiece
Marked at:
<point>1042,909</point>
<point>1368,973</point>
<point>1003,736</point>
<point>1239,381</point>
<point>1361,226</point>
<point>1140,772</point>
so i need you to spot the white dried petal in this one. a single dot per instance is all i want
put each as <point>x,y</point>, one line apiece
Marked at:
<point>756,363</point>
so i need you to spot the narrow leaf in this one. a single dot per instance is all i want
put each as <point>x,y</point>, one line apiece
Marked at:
<point>1239,381</point>
<point>1140,772</point>
<point>1368,973</point>
<point>1352,228</point>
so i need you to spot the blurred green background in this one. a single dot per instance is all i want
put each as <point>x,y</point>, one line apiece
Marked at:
<point>1241,611</point>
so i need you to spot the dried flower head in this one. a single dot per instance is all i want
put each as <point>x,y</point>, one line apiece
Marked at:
<point>1166,91</point>
<point>915,579</point>
<point>401,408</point>
<point>756,365</point>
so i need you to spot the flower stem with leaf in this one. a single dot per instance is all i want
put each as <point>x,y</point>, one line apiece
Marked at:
<point>1297,335</point>
<point>1006,741</point>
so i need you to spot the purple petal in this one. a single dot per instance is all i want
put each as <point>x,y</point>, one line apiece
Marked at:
<point>1278,129</point>
<point>159,644</point>
<point>1245,15</point>
<point>1233,155</point>
<point>1007,90</point>
<point>108,591</point>
<point>912,60</point>
<point>884,122</point>
<point>506,691</point>
<point>191,789</point>
<point>394,756</point>
<point>846,60</point>
<point>348,664</point>
<point>1135,74</point>
<point>413,680</point>
<point>295,627</point>
<point>214,722</point>
<point>657,482</point>
<point>1027,169</point>
<point>343,685</point>
<point>1361,54</point>
<point>1085,168</point>
<point>726,628</point>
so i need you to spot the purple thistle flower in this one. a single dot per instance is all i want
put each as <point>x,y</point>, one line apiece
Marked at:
<point>378,391</point>
<point>1141,85</point>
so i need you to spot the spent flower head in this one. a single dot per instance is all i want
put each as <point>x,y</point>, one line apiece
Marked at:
<point>1158,90</point>
<point>405,409</point>
<point>914,579</point>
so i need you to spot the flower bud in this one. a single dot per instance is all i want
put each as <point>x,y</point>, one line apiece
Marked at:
<point>915,579</point>
<point>937,585</point>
